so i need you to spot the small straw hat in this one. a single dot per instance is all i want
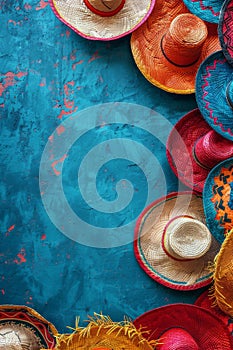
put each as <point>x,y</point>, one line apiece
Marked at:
<point>205,300</point>
<point>207,10</point>
<point>218,199</point>
<point>102,20</point>
<point>214,93</point>
<point>22,328</point>
<point>170,46</point>
<point>102,333</point>
<point>204,149</point>
<point>225,30</point>
<point>186,327</point>
<point>172,243</point>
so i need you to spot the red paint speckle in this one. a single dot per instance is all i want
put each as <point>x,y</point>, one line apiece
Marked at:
<point>42,5</point>
<point>43,237</point>
<point>94,57</point>
<point>11,228</point>
<point>21,255</point>
<point>60,129</point>
<point>3,291</point>
<point>10,79</point>
<point>43,82</point>
<point>27,7</point>
<point>67,33</point>
<point>57,172</point>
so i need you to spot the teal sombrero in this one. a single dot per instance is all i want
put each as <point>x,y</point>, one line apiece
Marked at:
<point>172,243</point>
<point>218,199</point>
<point>214,93</point>
<point>225,30</point>
<point>207,10</point>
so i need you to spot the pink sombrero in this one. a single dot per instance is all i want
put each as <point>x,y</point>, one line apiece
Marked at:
<point>102,20</point>
<point>204,149</point>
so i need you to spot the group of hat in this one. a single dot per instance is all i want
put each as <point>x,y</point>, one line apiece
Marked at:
<point>181,47</point>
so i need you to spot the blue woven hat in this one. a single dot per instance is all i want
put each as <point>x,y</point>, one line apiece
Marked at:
<point>214,93</point>
<point>225,30</point>
<point>207,10</point>
<point>218,199</point>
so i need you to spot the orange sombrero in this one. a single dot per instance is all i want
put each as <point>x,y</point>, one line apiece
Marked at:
<point>170,46</point>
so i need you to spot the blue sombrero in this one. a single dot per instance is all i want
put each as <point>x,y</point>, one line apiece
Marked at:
<point>207,10</point>
<point>225,30</point>
<point>214,93</point>
<point>218,199</point>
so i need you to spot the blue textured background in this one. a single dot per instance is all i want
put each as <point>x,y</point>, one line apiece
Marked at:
<point>47,72</point>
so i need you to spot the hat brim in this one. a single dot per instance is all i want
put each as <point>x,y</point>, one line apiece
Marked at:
<point>205,302</point>
<point>208,331</point>
<point>175,274</point>
<point>207,10</point>
<point>89,25</point>
<point>148,56</point>
<point>225,30</point>
<point>189,129</point>
<point>212,79</point>
<point>22,317</point>
<point>219,216</point>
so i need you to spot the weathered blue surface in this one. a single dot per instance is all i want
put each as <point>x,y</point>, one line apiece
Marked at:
<point>47,73</point>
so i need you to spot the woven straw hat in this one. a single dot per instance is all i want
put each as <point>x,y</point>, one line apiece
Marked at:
<point>207,10</point>
<point>225,30</point>
<point>102,333</point>
<point>172,244</point>
<point>170,46</point>
<point>206,301</point>
<point>214,93</point>
<point>186,327</point>
<point>22,328</point>
<point>218,199</point>
<point>102,19</point>
<point>204,149</point>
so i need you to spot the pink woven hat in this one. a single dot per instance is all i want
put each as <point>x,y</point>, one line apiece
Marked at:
<point>204,148</point>
<point>185,327</point>
<point>225,30</point>
<point>172,243</point>
<point>206,301</point>
<point>102,19</point>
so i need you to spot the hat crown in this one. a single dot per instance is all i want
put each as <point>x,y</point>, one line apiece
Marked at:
<point>211,149</point>
<point>177,339</point>
<point>183,42</point>
<point>105,7</point>
<point>186,238</point>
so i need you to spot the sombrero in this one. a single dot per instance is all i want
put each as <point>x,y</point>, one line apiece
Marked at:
<point>170,46</point>
<point>214,93</point>
<point>172,243</point>
<point>23,328</point>
<point>102,20</point>
<point>204,149</point>
<point>207,10</point>
<point>218,199</point>
<point>205,300</point>
<point>184,326</point>
<point>225,30</point>
<point>102,333</point>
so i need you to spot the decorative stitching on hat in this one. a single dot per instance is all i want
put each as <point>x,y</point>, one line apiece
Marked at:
<point>203,7</point>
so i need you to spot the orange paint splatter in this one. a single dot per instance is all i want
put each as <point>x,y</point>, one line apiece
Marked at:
<point>60,129</point>
<point>21,255</point>
<point>27,7</point>
<point>10,79</point>
<point>94,57</point>
<point>62,113</point>
<point>57,172</point>
<point>11,228</point>
<point>68,104</point>
<point>51,138</point>
<point>43,237</point>
<point>42,5</point>
<point>76,63</point>
<point>43,82</point>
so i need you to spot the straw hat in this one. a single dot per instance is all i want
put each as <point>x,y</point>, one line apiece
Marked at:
<point>186,327</point>
<point>205,300</point>
<point>207,10</point>
<point>218,199</point>
<point>223,276</point>
<point>102,333</point>
<point>22,328</point>
<point>204,148</point>
<point>214,93</point>
<point>172,243</point>
<point>170,46</point>
<point>225,30</point>
<point>102,20</point>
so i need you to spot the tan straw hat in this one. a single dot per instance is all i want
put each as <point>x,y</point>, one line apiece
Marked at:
<point>170,46</point>
<point>102,333</point>
<point>172,243</point>
<point>102,19</point>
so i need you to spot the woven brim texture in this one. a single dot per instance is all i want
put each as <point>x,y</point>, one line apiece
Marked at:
<point>187,131</point>
<point>206,301</point>
<point>209,332</point>
<point>225,30</point>
<point>148,56</point>
<point>207,10</point>
<point>175,274</point>
<point>212,80</point>
<point>23,328</point>
<point>84,22</point>
<point>218,199</point>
